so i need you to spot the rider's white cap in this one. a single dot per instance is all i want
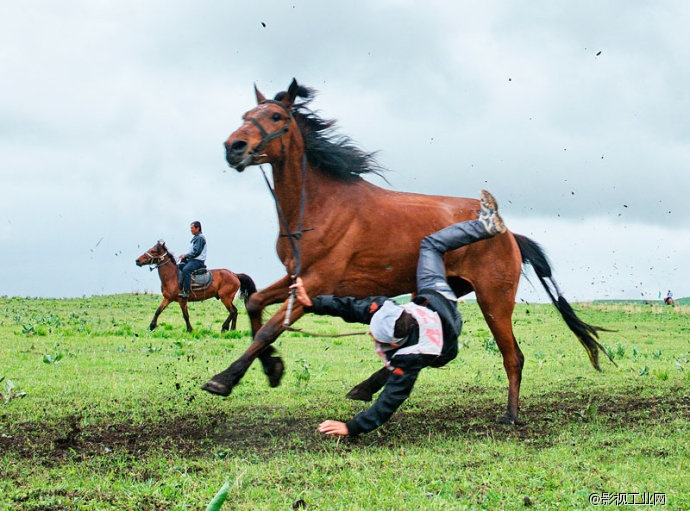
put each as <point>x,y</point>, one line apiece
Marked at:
<point>382,326</point>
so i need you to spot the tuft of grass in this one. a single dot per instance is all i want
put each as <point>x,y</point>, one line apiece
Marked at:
<point>9,393</point>
<point>302,373</point>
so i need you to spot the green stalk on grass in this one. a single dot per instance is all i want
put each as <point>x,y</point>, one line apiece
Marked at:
<point>220,497</point>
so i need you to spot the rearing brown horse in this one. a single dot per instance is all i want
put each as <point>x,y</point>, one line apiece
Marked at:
<point>224,286</point>
<point>348,237</point>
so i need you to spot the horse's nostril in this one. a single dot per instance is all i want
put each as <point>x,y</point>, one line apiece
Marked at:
<point>238,147</point>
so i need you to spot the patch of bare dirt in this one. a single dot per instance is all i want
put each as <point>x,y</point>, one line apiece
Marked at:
<point>263,432</point>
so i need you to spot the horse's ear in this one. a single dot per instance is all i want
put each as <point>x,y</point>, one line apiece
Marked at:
<point>289,98</point>
<point>260,98</point>
<point>161,243</point>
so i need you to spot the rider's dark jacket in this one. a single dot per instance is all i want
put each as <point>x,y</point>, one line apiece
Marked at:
<point>197,249</point>
<point>405,367</point>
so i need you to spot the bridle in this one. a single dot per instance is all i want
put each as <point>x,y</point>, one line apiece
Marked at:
<point>267,137</point>
<point>156,261</point>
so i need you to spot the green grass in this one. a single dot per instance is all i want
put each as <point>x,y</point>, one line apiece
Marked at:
<point>98,413</point>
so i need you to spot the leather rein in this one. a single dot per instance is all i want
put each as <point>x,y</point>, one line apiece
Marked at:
<point>293,237</point>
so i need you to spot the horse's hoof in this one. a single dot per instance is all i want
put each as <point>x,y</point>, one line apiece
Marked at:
<point>359,394</point>
<point>216,388</point>
<point>275,372</point>
<point>507,419</point>
<point>152,327</point>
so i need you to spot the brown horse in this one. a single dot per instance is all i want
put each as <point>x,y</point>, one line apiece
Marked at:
<point>348,237</point>
<point>224,286</point>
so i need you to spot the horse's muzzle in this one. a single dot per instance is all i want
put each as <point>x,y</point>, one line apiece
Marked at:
<point>237,155</point>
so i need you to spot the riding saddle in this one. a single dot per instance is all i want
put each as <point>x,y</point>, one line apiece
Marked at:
<point>201,279</point>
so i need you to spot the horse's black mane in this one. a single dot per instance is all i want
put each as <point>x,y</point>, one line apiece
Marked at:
<point>332,153</point>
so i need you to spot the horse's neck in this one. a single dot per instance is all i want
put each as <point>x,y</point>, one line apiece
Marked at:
<point>320,188</point>
<point>287,186</point>
<point>168,270</point>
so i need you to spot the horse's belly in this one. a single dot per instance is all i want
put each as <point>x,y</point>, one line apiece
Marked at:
<point>379,275</point>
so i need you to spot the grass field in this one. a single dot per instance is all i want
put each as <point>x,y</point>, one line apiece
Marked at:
<point>99,413</point>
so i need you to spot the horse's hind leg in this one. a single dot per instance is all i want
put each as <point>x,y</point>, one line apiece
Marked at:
<point>161,308</point>
<point>513,362</point>
<point>498,317</point>
<point>232,316</point>
<point>185,314</point>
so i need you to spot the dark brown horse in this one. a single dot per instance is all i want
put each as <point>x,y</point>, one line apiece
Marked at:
<point>224,286</point>
<point>348,237</point>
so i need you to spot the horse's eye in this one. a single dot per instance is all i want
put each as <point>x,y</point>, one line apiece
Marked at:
<point>276,117</point>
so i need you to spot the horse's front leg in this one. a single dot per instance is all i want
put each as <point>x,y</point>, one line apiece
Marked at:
<point>223,382</point>
<point>275,293</point>
<point>161,308</point>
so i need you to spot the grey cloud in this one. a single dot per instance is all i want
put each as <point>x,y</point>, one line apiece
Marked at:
<point>113,115</point>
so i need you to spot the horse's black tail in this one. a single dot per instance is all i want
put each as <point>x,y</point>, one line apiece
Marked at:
<point>533,254</point>
<point>247,286</point>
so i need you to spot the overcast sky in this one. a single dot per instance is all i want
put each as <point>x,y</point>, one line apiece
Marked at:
<point>576,115</point>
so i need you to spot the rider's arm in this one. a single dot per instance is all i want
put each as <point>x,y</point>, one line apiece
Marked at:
<point>352,310</point>
<point>397,390</point>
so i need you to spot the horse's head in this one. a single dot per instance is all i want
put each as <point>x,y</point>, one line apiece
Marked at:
<point>155,255</point>
<point>262,138</point>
